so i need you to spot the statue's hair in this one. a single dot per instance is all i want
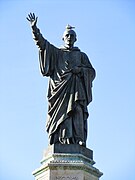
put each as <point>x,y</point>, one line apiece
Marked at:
<point>69,28</point>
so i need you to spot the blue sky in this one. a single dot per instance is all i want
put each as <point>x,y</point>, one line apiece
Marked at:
<point>106,33</point>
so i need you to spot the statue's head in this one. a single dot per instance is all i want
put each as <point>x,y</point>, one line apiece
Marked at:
<point>69,36</point>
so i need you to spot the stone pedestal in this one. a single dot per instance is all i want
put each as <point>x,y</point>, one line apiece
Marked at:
<point>67,162</point>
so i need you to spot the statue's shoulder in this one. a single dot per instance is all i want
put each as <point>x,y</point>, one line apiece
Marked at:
<point>84,55</point>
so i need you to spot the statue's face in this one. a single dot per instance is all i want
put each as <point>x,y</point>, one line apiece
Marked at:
<point>69,37</point>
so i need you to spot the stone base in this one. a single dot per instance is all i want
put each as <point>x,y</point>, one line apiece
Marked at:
<point>61,164</point>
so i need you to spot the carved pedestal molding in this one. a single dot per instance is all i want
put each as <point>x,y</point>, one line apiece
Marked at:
<point>66,166</point>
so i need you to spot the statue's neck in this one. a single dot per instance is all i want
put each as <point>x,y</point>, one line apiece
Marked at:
<point>68,49</point>
<point>68,46</point>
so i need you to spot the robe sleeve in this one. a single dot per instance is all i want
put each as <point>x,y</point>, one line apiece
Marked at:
<point>47,53</point>
<point>88,76</point>
<point>47,59</point>
<point>38,38</point>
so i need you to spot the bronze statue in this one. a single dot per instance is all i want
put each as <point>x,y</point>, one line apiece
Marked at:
<point>69,93</point>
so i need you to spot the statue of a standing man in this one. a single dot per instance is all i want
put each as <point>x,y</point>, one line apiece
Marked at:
<point>69,93</point>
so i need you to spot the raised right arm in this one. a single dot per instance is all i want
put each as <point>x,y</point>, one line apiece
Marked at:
<point>37,36</point>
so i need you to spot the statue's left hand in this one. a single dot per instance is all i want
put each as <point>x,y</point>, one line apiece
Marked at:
<point>76,70</point>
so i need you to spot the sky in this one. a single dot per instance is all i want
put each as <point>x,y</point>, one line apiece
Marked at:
<point>106,33</point>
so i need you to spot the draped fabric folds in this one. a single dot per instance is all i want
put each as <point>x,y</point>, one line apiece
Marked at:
<point>66,89</point>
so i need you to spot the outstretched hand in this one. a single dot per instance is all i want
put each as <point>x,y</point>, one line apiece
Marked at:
<point>32,19</point>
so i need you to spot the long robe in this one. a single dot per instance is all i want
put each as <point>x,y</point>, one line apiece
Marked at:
<point>68,94</point>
